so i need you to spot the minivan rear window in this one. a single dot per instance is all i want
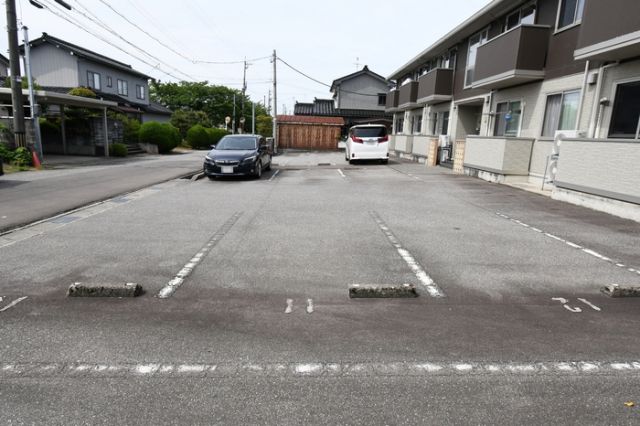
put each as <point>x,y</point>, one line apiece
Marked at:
<point>370,132</point>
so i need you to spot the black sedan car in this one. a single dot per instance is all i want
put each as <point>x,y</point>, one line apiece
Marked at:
<point>238,155</point>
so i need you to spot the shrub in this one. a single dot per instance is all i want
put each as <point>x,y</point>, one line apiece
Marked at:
<point>131,130</point>
<point>186,119</point>
<point>215,135</point>
<point>118,150</point>
<point>21,157</point>
<point>165,136</point>
<point>83,92</point>
<point>198,137</point>
<point>6,155</point>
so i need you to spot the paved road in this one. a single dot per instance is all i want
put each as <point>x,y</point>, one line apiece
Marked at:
<point>491,347</point>
<point>29,196</point>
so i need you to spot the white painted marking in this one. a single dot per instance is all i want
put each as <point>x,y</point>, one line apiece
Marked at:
<point>565,304</point>
<point>14,303</point>
<point>191,368</point>
<point>420,273</point>
<point>575,310</point>
<point>341,173</point>
<point>274,175</point>
<point>591,305</point>
<point>428,367</point>
<point>565,366</point>
<point>188,268</point>
<point>147,368</point>
<point>621,366</point>
<point>572,244</point>
<point>463,367</point>
<point>289,307</point>
<point>309,306</point>
<point>308,368</point>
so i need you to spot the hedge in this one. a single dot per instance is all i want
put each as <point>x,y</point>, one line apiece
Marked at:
<point>164,135</point>
<point>118,150</point>
<point>198,137</point>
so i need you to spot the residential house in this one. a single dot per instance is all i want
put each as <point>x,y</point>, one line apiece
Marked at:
<point>531,90</point>
<point>59,65</point>
<point>4,67</point>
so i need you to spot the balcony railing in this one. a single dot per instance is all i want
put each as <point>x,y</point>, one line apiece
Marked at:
<point>435,86</point>
<point>392,101</point>
<point>408,95</point>
<point>515,57</point>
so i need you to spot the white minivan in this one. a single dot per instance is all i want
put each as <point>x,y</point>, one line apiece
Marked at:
<point>367,142</point>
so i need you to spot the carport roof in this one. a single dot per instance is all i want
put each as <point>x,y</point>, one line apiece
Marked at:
<point>55,98</point>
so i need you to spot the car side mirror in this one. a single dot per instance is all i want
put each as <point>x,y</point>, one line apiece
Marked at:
<point>213,147</point>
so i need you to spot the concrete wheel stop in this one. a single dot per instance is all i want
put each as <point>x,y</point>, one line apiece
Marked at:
<point>616,290</point>
<point>104,290</point>
<point>369,291</point>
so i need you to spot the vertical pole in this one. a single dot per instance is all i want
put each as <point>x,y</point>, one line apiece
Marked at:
<point>16,78</point>
<point>275,104</point>
<point>63,130</point>
<point>233,120</point>
<point>244,91</point>
<point>105,125</point>
<point>35,114</point>
<point>253,118</point>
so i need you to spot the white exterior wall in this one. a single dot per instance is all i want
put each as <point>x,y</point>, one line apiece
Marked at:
<point>52,66</point>
<point>362,84</point>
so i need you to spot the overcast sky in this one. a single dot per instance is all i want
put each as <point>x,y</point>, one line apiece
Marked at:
<point>325,39</point>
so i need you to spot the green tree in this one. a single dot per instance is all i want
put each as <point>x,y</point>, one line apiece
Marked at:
<point>215,101</point>
<point>264,125</point>
<point>183,120</point>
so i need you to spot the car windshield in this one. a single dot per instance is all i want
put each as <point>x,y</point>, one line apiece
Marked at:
<point>370,132</point>
<point>237,143</point>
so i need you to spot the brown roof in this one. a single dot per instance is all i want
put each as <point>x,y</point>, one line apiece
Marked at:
<point>303,119</point>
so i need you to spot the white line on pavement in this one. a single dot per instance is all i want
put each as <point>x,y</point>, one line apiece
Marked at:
<point>341,173</point>
<point>418,270</point>
<point>289,307</point>
<point>188,268</point>
<point>274,175</point>
<point>309,306</point>
<point>573,245</point>
<point>12,304</point>
<point>308,369</point>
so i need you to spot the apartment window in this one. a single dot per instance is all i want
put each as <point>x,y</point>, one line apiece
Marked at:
<point>507,119</point>
<point>523,16</point>
<point>440,123</point>
<point>561,112</point>
<point>93,80</point>
<point>625,119</point>
<point>399,125</point>
<point>474,43</point>
<point>109,81</point>
<point>382,99</point>
<point>123,88</point>
<point>140,91</point>
<point>444,123</point>
<point>416,121</point>
<point>570,13</point>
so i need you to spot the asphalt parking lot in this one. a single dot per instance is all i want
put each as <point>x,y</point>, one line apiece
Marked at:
<point>246,315</point>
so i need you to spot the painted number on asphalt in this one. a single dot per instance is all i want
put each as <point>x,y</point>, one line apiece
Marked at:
<point>575,309</point>
<point>11,304</point>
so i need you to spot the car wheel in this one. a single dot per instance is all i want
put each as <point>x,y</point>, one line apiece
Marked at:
<point>351,161</point>
<point>258,173</point>
<point>385,161</point>
<point>268,168</point>
<point>211,177</point>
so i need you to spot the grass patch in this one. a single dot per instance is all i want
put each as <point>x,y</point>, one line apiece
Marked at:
<point>10,168</point>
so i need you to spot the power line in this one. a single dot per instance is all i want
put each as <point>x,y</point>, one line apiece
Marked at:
<point>93,18</point>
<point>98,36</point>
<point>320,82</point>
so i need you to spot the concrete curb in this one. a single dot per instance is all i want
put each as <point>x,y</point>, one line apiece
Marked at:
<point>616,290</point>
<point>104,290</point>
<point>197,176</point>
<point>358,291</point>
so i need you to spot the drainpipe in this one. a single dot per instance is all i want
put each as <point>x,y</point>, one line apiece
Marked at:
<point>489,115</point>
<point>583,94</point>
<point>596,109</point>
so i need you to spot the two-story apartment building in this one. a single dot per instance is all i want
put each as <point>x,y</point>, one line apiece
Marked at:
<point>521,81</point>
<point>59,65</point>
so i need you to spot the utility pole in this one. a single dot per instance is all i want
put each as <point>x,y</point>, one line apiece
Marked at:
<point>16,78</point>
<point>268,105</point>
<point>253,118</point>
<point>233,120</point>
<point>275,104</point>
<point>35,114</point>
<point>244,90</point>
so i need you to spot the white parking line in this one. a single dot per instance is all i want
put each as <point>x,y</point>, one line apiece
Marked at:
<point>573,245</point>
<point>289,307</point>
<point>274,175</point>
<point>341,173</point>
<point>314,369</point>
<point>12,304</point>
<point>309,306</point>
<point>418,270</point>
<point>178,280</point>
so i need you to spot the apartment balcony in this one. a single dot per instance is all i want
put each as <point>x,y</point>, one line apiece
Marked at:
<point>392,101</point>
<point>408,96</point>
<point>515,57</point>
<point>435,86</point>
